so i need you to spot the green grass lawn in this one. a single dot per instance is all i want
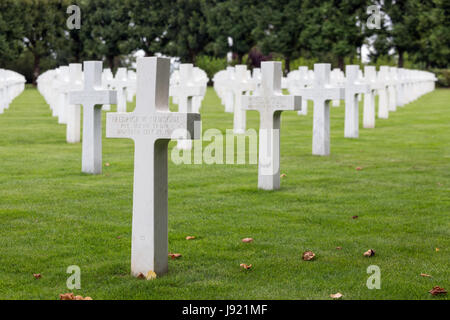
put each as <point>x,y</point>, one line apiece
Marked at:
<point>53,216</point>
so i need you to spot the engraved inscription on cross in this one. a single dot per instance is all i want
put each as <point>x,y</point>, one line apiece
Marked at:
<point>270,104</point>
<point>321,92</point>
<point>151,126</point>
<point>92,98</point>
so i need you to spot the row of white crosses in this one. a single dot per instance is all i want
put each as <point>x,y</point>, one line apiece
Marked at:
<point>151,125</point>
<point>394,86</point>
<point>11,85</point>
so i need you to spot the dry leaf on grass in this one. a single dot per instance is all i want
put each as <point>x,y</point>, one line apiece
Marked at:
<point>66,296</point>
<point>308,255</point>
<point>37,275</point>
<point>355,217</point>
<point>425,275</point>
<point>359,168</point>
<point>140,276</point>
<point>338,248</point>
<point>174,255</point>
<point>369,253</point>
<point>107,164</point>
<point>246,266</point>
<point>247,240</point>
<point>283,175</point>
<point>71,296</point>
<point>151,275</point>
<point>437,291</point>
<point>437,249</point>
<point>336,295</point>
<point>190,238</point>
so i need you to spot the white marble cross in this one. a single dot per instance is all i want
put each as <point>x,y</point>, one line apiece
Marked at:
<point>321,92</point>
<point>151,126</point>
<point>353,87</point>
<point>370,78</point>
<point>92,98</point>
<point>64,87</point>
<point>383,100</point>
<point>392,89</point>
<point>184,92</point>
<point>270,103</point>
<point>73,110</point>
<point>120,83</point>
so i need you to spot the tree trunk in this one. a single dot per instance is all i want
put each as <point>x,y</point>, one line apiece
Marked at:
<point>36,68</point>
<point>400,58</point>
<point>110,60</point>
<point>341,63</point>
<point>287,64</point>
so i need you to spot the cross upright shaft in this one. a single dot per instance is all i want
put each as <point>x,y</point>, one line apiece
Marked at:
<point>151,126</point>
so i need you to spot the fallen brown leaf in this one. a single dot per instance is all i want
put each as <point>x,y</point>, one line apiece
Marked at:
<point>37,275</point>
<point>437,249</point>
<point>190,237</point>
<point>425,275</point>
<point>88,298</point>
<point>336,295</point>
<point>338,248</point>
<point>78,298</point>
<point>283,175</point>
<point>359,168</point>
<point>247,240</point>
<point>437,291</point>
<point>355,217</point>
<point>66,296</point>
<point>140,276</point>
<point>369,253</point>
<point>107,164</point>
<point>174,255</point>
<point>308,255</point>
<point>246,266</point>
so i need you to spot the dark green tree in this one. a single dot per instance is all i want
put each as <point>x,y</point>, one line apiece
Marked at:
<point>43,23</point>
<point>188,29</point>
<point>108,24</point>
<point>280,27</point>
<point>334,27</point>
<point>400,28</point>
<point>11,32</point>
<point>434,33</point>
<point>149,25</point>
<point>235,19</point>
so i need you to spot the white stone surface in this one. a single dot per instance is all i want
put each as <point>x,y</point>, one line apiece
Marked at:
<point>151,126</point>
<point>321,92</point>
<point>383,100</point>
<point>120,83</point>
<point>297,80</point>
<point>92,97</point>
<point>185,91</point>
<point>370,78</point>
<point>73,129</point>
<point>353,87</point>
<point>270,103</point>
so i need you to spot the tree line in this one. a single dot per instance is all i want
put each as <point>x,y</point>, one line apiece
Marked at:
<point>327,30</point>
